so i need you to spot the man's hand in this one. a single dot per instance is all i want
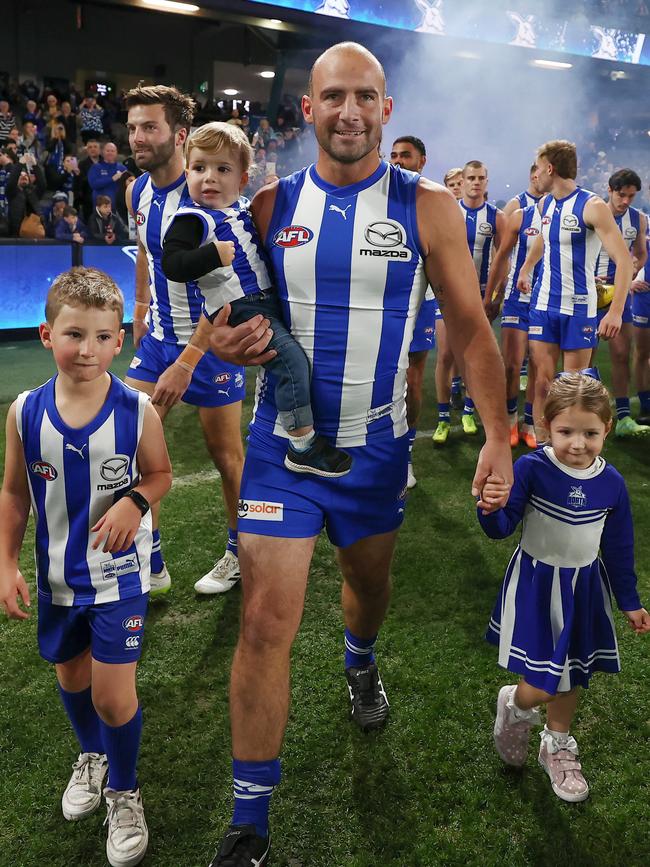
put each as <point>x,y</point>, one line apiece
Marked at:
<point>639,620</point>
<point>640,286</point>
<point>242,344</point>
<point>492,308</point>
<point>77,238</point>
<point>610,325</point>
<point>495,465</point>
<point>524,283</point>
<point>140,328</point>
<point>12,587</point>
<point>117,176</point>
<point>117,528</point>
<point>171,386</point>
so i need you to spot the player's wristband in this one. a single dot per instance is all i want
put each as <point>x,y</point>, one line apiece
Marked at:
<point>141,502</point>
<point>190,357</point>
<point>140,311</point>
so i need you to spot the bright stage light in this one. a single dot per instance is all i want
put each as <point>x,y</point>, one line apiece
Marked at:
<point>171,5</point>
<point>552,64</point>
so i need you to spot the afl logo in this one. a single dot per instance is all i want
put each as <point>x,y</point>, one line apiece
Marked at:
<point>221,378</point>
<point>114,468</point>
<point>531,231</point>
<point>293,236</point>
<point>546,220</point>
<point>44,469</point>
<point>133,624</point>
<point>140,218</point>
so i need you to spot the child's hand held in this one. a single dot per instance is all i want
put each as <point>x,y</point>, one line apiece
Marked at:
<point>226,251</point>
<point>639,620</point>
<point>12,587</point>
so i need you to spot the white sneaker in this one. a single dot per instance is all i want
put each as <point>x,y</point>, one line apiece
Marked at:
<point>411,481</point>
<point>128,835</point>
<point>223,575</point>
<point>160,583</point>
<point>83,793</point>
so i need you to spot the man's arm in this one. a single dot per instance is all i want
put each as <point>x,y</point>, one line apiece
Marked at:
<point>142,286</point>
<point>598,215</point>
<point>498,274</point>
<point>14,511</point>
<point>524,281</point>
<point>500,229</point>
<point>450,270</point>
<point>512,206</point>
<point>640,247</point>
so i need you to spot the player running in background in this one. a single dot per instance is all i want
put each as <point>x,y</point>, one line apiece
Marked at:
<point>563,309</point>
<point>409,153</point>
<point>622,188</point>
<point>641,321</point>
<point>90,453</point>
<point>353,310</point>
<point>165,365</point>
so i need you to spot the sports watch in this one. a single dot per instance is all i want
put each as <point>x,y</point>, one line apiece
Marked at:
<point>141,502</point>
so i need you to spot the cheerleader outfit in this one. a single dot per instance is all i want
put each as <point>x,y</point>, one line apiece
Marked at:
<point>553,621</point>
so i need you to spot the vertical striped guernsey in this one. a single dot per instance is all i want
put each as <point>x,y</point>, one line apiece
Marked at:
<point>629,225</point>
<point>481,226</point>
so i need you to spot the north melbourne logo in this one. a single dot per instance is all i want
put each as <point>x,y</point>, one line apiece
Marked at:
<point>577,498</point>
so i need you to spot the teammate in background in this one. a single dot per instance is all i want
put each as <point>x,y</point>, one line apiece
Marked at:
<point>212,231</point>
<point>632,224</point>
<point>522,227</point>
<point>353,313</point>
<point>484,225</point>
<point>448,380</point>
<point>563,309</point>
<point>410,153</point>
<point>552,621</point>
<point>530,196</point>
<point>641,321</point>
<point>90,454</point>
<point>170,363</point>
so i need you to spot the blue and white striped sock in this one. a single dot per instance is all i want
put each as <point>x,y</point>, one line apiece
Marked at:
<point>232,541</point>
<point>511,405</point>
<point>524,368</point>
<point>412,432</point>
<point>359,652</point>
<point>253,784</point>
<point>468,409</point>
<point>157,562</point>
<point>622,407</point>
<point>444,413</point>
<point>528,414</point>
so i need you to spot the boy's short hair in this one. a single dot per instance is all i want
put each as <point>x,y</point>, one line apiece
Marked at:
<point>179,108</point>
<point>624,178</point>
<point>451,174</point>
<point>417,143</point>
<point>83,287</point>
<point>103,200</point>
<point>562,155</point>
<point>69,211</point>
<point>215,136</point>
<point>474,164</point>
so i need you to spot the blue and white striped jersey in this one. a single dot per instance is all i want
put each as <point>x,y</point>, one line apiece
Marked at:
<point>567,282</point>
<point>350,277</point>
<point>531,226</point>
<point>481,226</point>
<point>644,273</point>
<point>526,200</point>
<point>248,272</point>
<point>175,307</point>
<point>75,475</point>
<point>629,225</point>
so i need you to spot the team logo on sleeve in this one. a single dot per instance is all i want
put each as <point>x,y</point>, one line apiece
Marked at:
<point>114,471</point>
<point>387,239</point>
<point>292,236</point>
<point>44,469</point>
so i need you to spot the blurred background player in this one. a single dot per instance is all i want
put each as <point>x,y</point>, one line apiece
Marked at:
<point>641,322</point>
<point>165,365</point>
<point>622,188</point>
<point>530,196</point>
<point>410,153</point>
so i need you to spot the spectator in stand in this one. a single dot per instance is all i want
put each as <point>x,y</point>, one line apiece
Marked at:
<point>104,176</point>
<point>29,90</point>
<point>57,149</point>
<point>66,180</point>
<point>246,126</point>
<point>272,157</point>
<point>263,135</point>
<point>25,186</point>
<point>6,165</point>
<point>33,113</point>
<point>120,196</point>
<point>53,214</point>
<point>290,158</point>
<point>50,103</point>
<point>70,228</point>
<point>69,121</point>
<point>106,226</point>
<point>93,156</point>
<point>7,121</point>
<point>90,119</point>
<point>234,118</point>
<point>29,142</point>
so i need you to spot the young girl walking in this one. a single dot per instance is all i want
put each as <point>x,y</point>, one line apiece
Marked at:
<point>553,621</point>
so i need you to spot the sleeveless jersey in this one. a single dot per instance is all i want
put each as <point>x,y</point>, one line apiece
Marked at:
<point>567,283</point>
<point>629,226</point>
<point>526,200</point>
<point>248,272</point>
<point>75,475</point>
<point>350,278</point>
<point>644,273</point>
<point>531,226</point>
<point>481,226</point>
<point>175,307</point>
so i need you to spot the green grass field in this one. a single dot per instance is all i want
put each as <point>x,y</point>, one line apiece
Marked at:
<point>429,790</point>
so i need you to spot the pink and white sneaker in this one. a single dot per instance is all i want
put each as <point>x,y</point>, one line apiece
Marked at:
<point>512,733</point>
<point>559,758</point>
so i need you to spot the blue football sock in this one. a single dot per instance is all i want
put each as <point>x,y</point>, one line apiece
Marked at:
<point>622,407</point>
<point>644,399</point>
<point>528,414</point>
<point>122,745</point>
<point>83,716</point>
<point>468,409</point>
<point>511,404</point>
<point>232,541</point>
<point>456,382</point>
<point>412,432</point>
<point>253,785</point>
<point>359,652</point>
<point>524,368</point>
<point>444,412</point>
<point>157,562</point>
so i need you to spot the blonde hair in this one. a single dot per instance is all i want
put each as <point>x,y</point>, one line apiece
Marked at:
<point>83,287</point>
<point>562,155</point>
<point>215,136</point>
<point>451,174</point>
<point>579,390</point>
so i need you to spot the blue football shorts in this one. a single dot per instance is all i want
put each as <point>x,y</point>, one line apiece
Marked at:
<point>627,311</point>
<point>515,314</point>
<point>424,337</point>
<point>568,332</point>
<point>641,309</point>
